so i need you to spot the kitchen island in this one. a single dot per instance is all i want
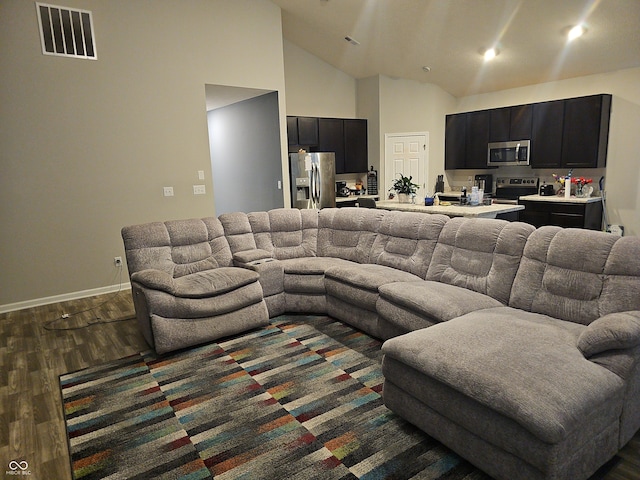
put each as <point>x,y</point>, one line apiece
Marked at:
<point>573,212</point>
<point>453,210</point>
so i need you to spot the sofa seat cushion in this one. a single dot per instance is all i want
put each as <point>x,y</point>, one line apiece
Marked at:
<point>433,301</point>
<point>207,283</point>
<point>166,305</point>
<point>358,284</point>
<point>523,366</point>
<point>313,265</point>
<point>306,274</point>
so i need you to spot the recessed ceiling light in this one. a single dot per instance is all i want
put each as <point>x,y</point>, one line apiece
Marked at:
<point>490,53</point>
<point>576,32</point>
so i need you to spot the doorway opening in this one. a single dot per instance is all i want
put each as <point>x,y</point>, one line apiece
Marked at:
<point>245,149</point>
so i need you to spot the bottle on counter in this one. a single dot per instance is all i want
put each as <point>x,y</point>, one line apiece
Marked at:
<point>436,199</point>
<point>474,196</point>
<point>463,196</point>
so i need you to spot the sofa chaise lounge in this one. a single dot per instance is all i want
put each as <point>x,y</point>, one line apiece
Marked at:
<point>519,348</point>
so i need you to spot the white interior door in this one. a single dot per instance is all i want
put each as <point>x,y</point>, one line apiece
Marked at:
<point>408,154</point>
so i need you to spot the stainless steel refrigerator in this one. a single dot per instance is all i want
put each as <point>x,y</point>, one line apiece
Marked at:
<point>313,179</point>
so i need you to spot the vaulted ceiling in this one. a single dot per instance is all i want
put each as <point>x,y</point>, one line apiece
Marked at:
<point>397,38</point>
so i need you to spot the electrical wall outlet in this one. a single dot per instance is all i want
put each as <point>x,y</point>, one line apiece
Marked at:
<point>117,261</point>
<point>199,190</point>
<point>167,191</point>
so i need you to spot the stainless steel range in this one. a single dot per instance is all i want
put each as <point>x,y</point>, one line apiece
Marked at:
<point>508,189</point>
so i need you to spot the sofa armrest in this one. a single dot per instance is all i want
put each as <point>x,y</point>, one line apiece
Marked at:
<point>251,257</point>
<point>615,331</point>
<point>155,279</point>
<point>204,284</point>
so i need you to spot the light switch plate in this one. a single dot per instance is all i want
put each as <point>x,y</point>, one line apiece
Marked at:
<point>167,191</point>
<point>199,190</point>
<point>200,174</point>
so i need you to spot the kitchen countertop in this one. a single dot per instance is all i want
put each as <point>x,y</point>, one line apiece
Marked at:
<point>481,211</point>
<point>353,198</point>
<point>559,199</point>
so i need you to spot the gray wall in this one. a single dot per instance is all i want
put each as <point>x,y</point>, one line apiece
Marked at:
<point>86,146</point>
<point>246,164</point>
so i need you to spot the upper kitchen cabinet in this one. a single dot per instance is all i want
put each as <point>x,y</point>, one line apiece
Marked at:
<point>546,134</point>
<point>477,139</point>
<point>455,141</point>
<point>569,133</point>
<point>302,131</point>
<point>331,139</point>
<point>292,130</point>
<point>356,154</point>
<point>307,131</point>
<point>466,139</point>
<point>347,137</point>
<point>585,135</point>
<point>510,123</point>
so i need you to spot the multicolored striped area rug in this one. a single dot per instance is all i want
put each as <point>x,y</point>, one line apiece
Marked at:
<point>299,399</point>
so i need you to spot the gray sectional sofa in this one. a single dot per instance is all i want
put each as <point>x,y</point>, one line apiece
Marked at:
<point>519,348</point>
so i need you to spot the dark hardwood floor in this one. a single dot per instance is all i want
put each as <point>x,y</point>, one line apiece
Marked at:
<point>32,357</point>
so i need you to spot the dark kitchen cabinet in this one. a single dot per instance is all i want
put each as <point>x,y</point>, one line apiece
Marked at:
<point>455,141</point>
<point>346,137</point>
<point>356,155</point>
<point>562,214</point>
<point>569,133</point>
<point>466,139</point>
<point>500,124</point>
<point>292,130</point>
<point>331,139</point>
<point>521,121</point>
<point>302,131</point>
<point>307,131</point>
<point>510,123</point>
<point>586,131</point>
<point>477,139</point>
<point>546,134</point>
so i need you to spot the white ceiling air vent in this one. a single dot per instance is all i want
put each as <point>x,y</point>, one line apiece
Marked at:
<point>66,32</point>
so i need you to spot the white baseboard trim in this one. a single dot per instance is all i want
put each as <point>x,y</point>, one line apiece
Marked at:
<point>65,297</point>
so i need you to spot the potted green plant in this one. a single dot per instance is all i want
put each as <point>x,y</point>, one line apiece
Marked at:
<point>404,187</point>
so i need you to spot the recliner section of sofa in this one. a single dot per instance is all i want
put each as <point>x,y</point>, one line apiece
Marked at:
<point>473,266</point>
<point>401,252</point>
<point>184,287</point>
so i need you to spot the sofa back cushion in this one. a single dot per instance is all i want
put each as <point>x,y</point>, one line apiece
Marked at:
<point>406,241</point>
<point>238,231</point>
<point>177,247</point>
<point>286,232</point>
<point>348,233</point>
<point>578,275</point>
<point>479,254</point>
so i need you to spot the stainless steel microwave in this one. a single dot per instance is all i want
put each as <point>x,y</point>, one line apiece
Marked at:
<point>508,153</point>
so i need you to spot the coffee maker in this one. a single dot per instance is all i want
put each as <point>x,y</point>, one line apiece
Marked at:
<point>342,190</point>
<point>484,182</point>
